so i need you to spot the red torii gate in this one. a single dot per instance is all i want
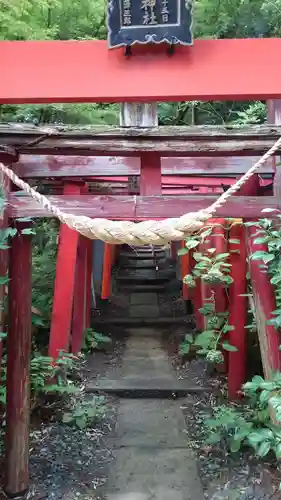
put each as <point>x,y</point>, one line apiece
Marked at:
<point>72,71</point>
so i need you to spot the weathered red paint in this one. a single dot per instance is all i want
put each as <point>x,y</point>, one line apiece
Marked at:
<point>185,269</point>
<point>174,250</point>
<point>142,207</point>
<point>174,180</point>
<point>197,297</point>
<point>150,174</point>
<point>106,272</point>
<point>79,299</point>
<point>80,291</point>
<point>36,166</point>
<point>265,303</point>
<point>219,242</point>
<point>64,284</point>
<point>89,267</point>
<point>274,116</point>
<point>238,305</point>
<point>4,255</point>
<point>18,361</point>
<point>206,71</point>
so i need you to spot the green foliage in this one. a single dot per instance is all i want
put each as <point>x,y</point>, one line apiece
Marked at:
<point>211,269</point>
<point>268,232</point>
<point>47,376</point>
<point>44,268</point>
<point>87,413</point>
<point>251,426</point>
<point>94,340</point>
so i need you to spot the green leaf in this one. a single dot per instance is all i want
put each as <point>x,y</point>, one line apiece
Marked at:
<point>259,255</point>
<point>268,210</point>
<point>9,231</point>
<point>191,244</point>
<point>199,257</point>
<point>67,418</point>
<point>184,349</point>
<point>234,242</point>
<point>189,338</point>
<point>222,256</point>
<point>255,438</point>
<point>278,451</point>
<point>264,396</point>
<point>228,347</point>
<point>28,230</point>
<point>268,385</point>
<point>214,438</point>
<point>81,422</point>
<point>182,251</point>
<point>264,448</point>
<point>235,445</point>
<point>24,219</point>
<point>259,241</point>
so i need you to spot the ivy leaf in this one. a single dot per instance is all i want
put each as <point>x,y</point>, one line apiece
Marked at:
<point>228,347</point>
<point>222,256</point>
<point>268,210</point>
<point>258,255</point>
<point>255,438</point>
<point>264,448</point>
<point>67,418</point>
<point>182,251</point>
<point>184,348</point>
<point>278,451</point>
<point>191,244</point>
<point>81,422</point>
<point>28,230</point>
<point>264,396</point>
<point>235,445</point>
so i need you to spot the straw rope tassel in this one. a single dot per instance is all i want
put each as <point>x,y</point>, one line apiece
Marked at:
<point>146,232</point>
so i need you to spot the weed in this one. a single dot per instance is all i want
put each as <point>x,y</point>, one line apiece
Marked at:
<point>94,341</point>
<point>87,413</point>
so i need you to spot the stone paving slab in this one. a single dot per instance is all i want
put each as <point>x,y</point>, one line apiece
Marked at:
<point>158,474</point>
<point>144,310</point>
<point>153,460</point>
<point>136,388</point>
<point>150,423</point>
<point>144,298</point>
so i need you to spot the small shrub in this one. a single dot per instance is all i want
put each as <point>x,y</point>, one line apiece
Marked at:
<point>87,413</point>
<point>94,340</point>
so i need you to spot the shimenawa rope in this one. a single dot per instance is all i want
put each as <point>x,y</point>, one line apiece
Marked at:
<point>146,232</point>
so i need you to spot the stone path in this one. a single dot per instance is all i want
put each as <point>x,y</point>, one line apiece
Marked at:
<point>153,459</point>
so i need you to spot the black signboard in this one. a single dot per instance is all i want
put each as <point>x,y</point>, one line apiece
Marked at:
<point>149,21</point>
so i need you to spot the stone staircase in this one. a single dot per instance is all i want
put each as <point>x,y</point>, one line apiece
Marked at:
<point>143,273</point>
<point>145,290</point>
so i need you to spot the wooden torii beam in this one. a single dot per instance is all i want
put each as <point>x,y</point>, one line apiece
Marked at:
<point>169,141</point>
<point>56,166</point>
<point>85,71</point>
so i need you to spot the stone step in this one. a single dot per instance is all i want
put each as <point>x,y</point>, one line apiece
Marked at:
<point>143,298</point>
<point>146,388</point>
<point>142,255</point>
<point>131,287</point>
<point>146,273</point>
<point>147,423</point>
<point>145,332</point>
<point>130,322</point>
<point>142,280</point>
<point>141,264</point>
<point>144,311</point>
